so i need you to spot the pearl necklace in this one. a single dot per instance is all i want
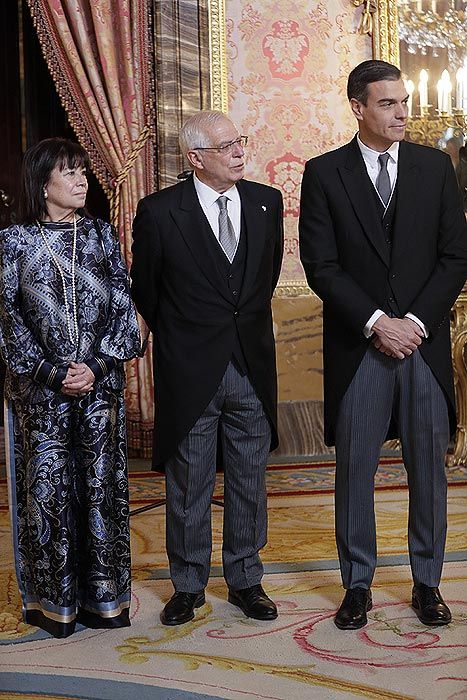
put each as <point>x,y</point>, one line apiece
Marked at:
<point>73,332</point>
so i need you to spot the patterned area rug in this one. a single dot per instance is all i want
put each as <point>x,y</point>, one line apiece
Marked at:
<point>222,654</point>
<point>292,479</point>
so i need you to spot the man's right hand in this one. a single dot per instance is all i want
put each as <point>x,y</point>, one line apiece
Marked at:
<point>396,337</point>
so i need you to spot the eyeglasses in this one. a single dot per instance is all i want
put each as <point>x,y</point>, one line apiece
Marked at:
<point>227,148</point>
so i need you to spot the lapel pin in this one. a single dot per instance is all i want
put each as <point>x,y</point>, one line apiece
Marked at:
<point>263,207</point>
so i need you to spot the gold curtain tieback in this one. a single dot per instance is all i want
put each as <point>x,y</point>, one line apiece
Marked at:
<point>366,21</point>
<point>117,182</point>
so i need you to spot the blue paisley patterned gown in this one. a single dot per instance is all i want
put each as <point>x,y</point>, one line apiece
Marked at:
<point>66,456</point>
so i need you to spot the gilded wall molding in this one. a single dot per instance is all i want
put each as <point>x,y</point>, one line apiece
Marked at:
<point>379,20</point>
<point>292,288</point>
<point>386,38</point>
<point>459,342</point>
<point>429,130</point>
<point>218,55</point>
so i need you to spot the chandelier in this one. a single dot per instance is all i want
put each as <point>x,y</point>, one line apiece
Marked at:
<point>427,28</point>
<point>424,29</point>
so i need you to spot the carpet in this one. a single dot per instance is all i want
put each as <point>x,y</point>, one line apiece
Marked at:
<point>298,478</point>
<point>222,654</point>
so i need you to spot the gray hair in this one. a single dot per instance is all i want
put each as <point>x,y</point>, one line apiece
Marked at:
<point>195,131</point>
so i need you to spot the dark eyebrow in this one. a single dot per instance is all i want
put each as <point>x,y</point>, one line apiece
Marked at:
<point>391,100</point>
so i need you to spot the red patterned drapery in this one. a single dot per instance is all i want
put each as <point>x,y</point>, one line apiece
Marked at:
<point>100,56</point>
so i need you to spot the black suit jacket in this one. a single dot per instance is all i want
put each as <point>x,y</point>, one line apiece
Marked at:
<point>179,289</point>
<point>353,267</point>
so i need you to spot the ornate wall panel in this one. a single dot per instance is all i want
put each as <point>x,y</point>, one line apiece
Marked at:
<point>287,65</point>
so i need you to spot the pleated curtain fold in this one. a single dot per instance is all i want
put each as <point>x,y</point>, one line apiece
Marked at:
<point>100,57</point>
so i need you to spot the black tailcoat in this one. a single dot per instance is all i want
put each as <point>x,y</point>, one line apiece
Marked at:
<point>356,267</point>
<point>183,295</point>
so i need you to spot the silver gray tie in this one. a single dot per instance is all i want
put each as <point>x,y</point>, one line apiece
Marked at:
<point>383,183</point>
<point>227,237</point>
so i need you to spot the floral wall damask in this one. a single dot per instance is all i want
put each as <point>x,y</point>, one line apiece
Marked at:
<point>288,63</point>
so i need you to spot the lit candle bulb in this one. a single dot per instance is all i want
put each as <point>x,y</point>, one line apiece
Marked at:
<point>447,92</point>
<point>440,91</point>
<point>410,87</point>
<point>460,79</point>
<point>449,98</point>
<point>464,88</point>
<point>423,90</point>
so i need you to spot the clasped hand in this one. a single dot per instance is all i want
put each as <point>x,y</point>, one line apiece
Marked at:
<point>396,337</point>
<point>79,379</point>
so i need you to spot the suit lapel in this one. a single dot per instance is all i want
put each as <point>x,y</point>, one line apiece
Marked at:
<point>408,183</point>
<point>196,231</point>
<point>254,216</point>
<point>360,190</point>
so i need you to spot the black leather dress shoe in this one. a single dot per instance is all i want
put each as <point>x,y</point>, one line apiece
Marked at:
<point>254,602</point>
<point>352,612</point>
<point>429,605</point>
<point>180,607</point>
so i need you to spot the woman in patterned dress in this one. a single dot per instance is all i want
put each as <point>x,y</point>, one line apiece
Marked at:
<point>67,324</point>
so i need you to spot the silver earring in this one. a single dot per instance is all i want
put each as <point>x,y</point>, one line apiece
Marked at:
<point>45,194</point>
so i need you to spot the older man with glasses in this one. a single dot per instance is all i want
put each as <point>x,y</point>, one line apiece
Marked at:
<point>206,259</point>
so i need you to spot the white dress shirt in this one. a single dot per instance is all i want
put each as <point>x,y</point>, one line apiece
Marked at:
<point>370,158</point>
<point>208,200</point>
<point>373,167</point>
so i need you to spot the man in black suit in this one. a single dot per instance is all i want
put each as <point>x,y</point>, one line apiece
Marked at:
<point>383,243</point>
<point>206,259</point>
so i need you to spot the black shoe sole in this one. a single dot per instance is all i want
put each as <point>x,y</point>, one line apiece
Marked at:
<point>354,627</point>
<point>181,621</point>
<point>234,601</point>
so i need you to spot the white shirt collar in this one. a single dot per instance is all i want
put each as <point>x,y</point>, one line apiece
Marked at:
<point>371,157</point>
<point>208,196</point>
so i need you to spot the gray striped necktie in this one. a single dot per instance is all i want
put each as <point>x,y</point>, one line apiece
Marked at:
<point>227,237</point>
<point>383,183</point>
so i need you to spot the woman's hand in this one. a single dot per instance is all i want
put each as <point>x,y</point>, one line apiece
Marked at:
<point>79,379</point>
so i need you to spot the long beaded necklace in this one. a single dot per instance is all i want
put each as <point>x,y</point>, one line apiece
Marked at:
<point>71,321</point>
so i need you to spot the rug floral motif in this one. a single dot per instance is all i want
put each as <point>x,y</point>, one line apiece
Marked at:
<point>222,654</point>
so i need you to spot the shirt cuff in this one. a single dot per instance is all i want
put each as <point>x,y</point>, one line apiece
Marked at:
<point>419,323</point>
<point>100,366</point>
<point>368,330</point>
<point>50,375</point>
